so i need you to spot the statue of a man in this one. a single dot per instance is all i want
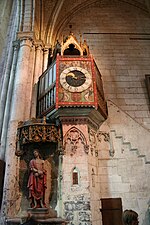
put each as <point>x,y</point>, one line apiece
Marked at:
<point>37,181</point>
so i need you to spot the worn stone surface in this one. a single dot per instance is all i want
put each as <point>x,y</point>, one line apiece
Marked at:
<point>117,33</point>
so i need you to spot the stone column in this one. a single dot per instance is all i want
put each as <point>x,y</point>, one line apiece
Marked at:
<point>45,63</point>
<point>22,75</point>
<point>37,72</point>
<point>11,194</point>
<point>30,84</point>
<point>76,187</point>
<point>7,56</point>
<point>4,87</point>
<point>38,62</point>
<point>59,206</point>
<point>8,101</point>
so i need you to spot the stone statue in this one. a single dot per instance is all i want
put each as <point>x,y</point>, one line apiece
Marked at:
<point>37,182</point>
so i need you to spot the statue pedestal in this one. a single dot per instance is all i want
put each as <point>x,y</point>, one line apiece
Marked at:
<point>48,221</point>
<point>42,213</point>
<point>41,216</point>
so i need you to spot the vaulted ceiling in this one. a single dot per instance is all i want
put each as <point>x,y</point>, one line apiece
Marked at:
<point>52,16</point>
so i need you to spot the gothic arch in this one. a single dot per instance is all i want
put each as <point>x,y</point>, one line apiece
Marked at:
<point>72,138</point>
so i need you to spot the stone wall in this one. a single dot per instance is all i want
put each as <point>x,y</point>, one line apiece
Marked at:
<point>125,174</point>
<point>118,37</point>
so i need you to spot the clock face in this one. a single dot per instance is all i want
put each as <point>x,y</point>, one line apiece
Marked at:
<point>75,79</point>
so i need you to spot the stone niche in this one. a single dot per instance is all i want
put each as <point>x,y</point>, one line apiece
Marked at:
<point>46,138</point>
<point>48,154</point>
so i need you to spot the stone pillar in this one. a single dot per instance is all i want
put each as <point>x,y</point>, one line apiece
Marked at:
<point>75,170</point>
<point>22,75</point>
<point>45,61</point>
<point>8,101</point>
<point>38,69</point>
<point>59,205</point>
<point>80,171</point>
<point>7,56</point>
<point>30,85</point>
<point>4,87</point>
<point>38,62</point>
<point>11,194</point>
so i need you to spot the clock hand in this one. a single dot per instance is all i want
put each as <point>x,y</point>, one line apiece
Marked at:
<point>81,78</point>
<point>72,75</point>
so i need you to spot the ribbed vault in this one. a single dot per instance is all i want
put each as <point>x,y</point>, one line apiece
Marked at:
<point>55,14</point>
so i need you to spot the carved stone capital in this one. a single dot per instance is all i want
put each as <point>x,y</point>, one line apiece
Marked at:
<point>38,47</point>
<point>26,42</point>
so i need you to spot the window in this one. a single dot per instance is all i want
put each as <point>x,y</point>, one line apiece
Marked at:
<point>75,176</point>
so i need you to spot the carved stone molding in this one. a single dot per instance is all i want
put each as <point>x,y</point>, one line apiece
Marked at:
<point>26,34</point>
<point>106,137</point>
<point>73,120</point>
<point>71,39</point>
<point>72,139</point>
<point>38,47</point>
<point>79,120</point>
<point>93,142</point>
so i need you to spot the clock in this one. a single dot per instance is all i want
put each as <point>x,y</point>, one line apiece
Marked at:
<point>75,79</point>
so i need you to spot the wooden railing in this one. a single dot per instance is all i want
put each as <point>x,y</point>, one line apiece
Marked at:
<point>46,91</point>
